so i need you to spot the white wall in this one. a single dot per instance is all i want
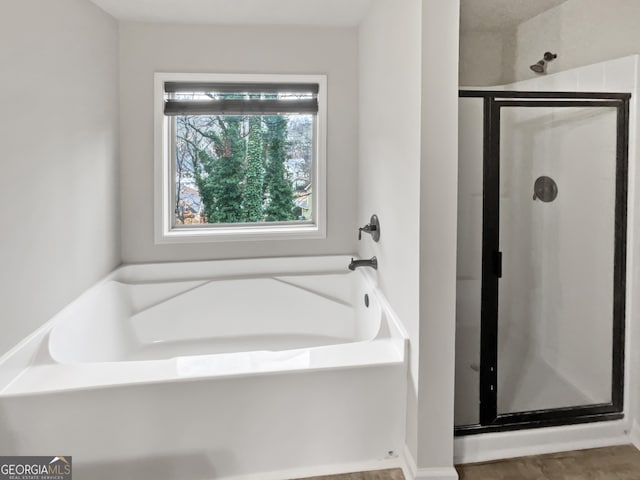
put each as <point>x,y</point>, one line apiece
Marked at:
<point>389,165</point>
<point>581,32</point>
<point>438,231</point>
<point>486,57</point>
<point>59,182</point>
<point>408,177</point>
<point>149,48</point>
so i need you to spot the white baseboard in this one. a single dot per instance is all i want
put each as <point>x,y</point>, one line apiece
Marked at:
<point>409,467</point>
<point>437,474</point>
<point>411,472</point>
<point>323,470</point>
<point>634,434</point>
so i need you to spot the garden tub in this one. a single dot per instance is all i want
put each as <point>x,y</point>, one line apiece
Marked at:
<point>218,369</point>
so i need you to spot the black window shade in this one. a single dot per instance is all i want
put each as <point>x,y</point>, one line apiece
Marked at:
<point>218,98</point>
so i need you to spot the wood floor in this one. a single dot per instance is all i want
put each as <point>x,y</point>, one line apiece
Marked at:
<point>611,463</point>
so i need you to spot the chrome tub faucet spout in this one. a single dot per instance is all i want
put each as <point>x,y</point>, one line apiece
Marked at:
<point>372,262</point>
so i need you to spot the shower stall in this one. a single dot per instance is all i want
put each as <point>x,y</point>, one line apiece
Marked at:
<point>542,253</point>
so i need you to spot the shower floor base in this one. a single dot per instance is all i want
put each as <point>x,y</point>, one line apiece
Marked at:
<point>526,385</point>
<point>538,386</point>
<point>537,441</point>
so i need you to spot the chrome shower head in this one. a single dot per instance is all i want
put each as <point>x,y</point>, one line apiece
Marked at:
<point>541,65</point>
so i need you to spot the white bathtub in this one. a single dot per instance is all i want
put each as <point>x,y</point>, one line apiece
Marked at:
<point>272,368</point>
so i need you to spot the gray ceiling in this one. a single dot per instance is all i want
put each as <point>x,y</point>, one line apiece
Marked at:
<point>500,14</point>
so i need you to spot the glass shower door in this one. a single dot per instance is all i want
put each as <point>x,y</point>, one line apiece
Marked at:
<point>542,222</point>
<point>557,224</point>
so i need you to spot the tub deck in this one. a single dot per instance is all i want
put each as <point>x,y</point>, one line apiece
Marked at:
<point>40,379</point>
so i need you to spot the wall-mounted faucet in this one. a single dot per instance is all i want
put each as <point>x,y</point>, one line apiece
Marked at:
<point>372,262</point>
<point>372,228</point>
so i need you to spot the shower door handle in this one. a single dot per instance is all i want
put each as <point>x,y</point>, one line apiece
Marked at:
<point>498,264</point>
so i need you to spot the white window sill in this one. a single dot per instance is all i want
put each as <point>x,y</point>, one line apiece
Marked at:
<point>240,233</point>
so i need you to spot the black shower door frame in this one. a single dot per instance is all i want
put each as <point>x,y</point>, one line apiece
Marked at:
<point>490,419</point>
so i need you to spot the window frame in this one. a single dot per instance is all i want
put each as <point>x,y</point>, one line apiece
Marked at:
<point>164,171</point>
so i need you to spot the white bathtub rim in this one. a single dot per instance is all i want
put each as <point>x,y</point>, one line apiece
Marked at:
<point>230,268</point>
<point>33,380</point>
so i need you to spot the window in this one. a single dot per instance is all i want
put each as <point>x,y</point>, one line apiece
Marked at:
<point>240,157</point>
